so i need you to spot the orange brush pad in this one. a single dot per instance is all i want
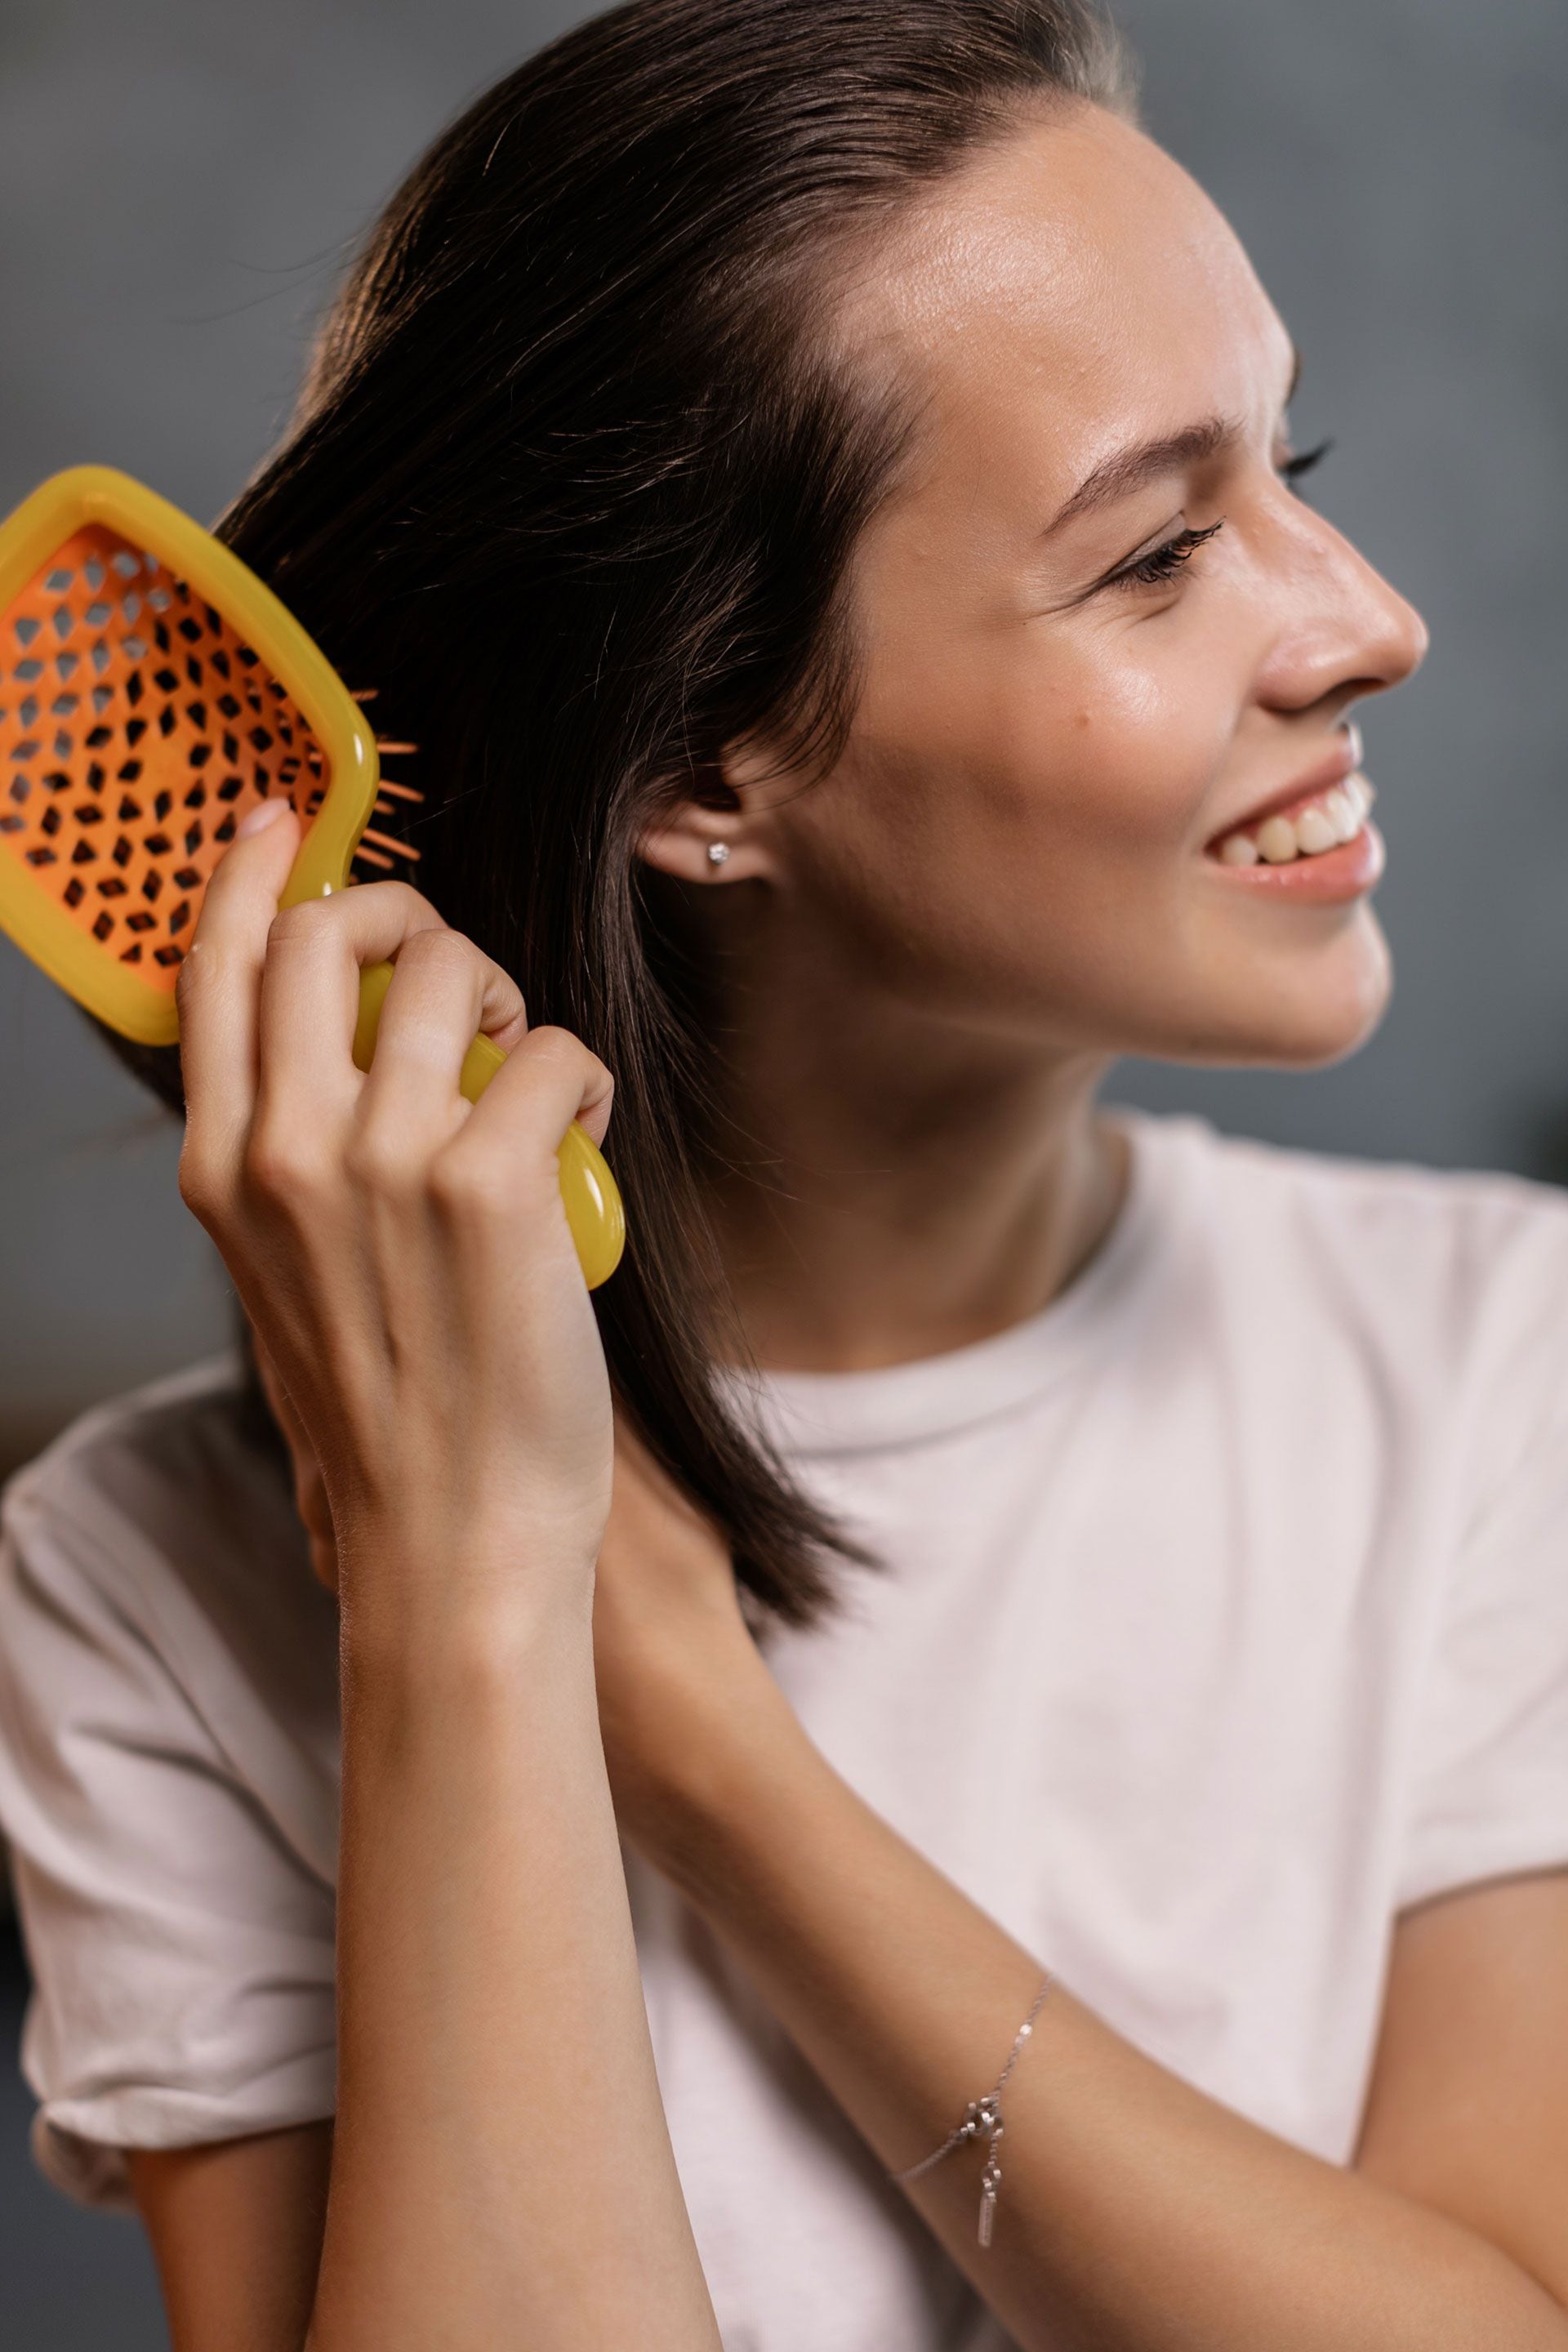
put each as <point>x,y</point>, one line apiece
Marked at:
<point>135,731</point>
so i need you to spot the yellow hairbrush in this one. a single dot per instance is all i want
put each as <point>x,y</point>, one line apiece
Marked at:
<point>152,690</point>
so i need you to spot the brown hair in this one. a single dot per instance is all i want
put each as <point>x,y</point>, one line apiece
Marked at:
<point>574,485</point>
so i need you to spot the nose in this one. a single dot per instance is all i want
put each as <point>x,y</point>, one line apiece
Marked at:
<point>1342,630</point>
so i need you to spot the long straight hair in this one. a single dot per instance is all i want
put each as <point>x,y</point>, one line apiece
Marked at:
<point>574,482</point>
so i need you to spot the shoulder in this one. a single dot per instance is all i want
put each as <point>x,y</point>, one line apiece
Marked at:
<point>188,1425</point>
<point>1472,1262</point>
<point>168,1782</point>
<point>163,1519</point>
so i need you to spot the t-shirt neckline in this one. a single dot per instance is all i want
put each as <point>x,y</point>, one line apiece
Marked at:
<point>933,1396</point>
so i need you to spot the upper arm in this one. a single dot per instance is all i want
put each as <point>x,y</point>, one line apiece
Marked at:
<point>176,1908</point>
<point>236,2230</point>
<point>1467,2109</point>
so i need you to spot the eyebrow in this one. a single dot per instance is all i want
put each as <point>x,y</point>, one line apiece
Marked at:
<point>1147,461</point>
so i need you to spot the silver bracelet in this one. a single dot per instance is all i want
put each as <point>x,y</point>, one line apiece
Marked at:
<point>983,2115</point>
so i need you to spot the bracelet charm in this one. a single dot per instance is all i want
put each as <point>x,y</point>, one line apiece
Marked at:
<point>983,2115</point>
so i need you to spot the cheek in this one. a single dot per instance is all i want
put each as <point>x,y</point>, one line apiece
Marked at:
<point>1057,760</point>
<point>1004,830</point>
<point>1113,750</point>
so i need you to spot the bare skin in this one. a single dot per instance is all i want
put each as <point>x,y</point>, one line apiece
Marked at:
<point>929,961</point>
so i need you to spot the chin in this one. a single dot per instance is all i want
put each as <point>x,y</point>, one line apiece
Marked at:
<point>1303,1013</point>
<point>1329,1012</point>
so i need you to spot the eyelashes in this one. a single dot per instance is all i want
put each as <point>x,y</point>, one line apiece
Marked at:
<point>1163,563</point>
<point>1294,467</point>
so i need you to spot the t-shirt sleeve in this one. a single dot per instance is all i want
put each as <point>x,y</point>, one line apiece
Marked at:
<point>1490,1783</point>
<point>182,1955</point>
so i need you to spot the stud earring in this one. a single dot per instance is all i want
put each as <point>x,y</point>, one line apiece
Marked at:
<point>718,851</point>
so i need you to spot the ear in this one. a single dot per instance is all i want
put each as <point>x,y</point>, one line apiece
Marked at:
<point>713,810</point>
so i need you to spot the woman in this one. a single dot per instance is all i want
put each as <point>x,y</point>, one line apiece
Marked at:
<point>814,480</point>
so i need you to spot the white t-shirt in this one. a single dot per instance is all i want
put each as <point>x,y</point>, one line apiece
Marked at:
<point>1226,1614</point>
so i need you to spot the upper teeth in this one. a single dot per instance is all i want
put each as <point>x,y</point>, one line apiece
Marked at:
<point>1335,816</point>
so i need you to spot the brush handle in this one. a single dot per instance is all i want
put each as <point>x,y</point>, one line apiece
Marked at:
<point>589,1193</point>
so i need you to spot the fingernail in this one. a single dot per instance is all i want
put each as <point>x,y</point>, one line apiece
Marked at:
<point>264,814</point>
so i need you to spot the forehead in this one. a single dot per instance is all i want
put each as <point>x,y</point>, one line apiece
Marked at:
<point>1069,291</point>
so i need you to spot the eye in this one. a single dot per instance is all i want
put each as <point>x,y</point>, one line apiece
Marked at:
<point>1163,562</point>
<point>1293,468</point>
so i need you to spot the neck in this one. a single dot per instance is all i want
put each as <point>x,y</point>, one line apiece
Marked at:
<point>901,1182</point>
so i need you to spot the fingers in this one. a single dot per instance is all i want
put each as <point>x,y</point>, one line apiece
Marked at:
<point>443,992</point>
<point>548,1080</point>
<point>279,1120</point>
<point>268,1002</point>
<point>310,997</point>
<point>219,984</point>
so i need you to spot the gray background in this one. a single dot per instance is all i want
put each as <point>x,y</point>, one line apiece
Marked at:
<point>179,183</point>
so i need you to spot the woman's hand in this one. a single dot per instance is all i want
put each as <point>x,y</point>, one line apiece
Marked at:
<point>402,1255</point>
<point>672,1650</point>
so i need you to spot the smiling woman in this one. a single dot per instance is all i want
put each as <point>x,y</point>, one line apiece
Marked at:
<point>530,1810</point>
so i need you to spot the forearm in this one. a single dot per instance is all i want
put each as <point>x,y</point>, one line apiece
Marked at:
<point>1138,2214</point>
<point>501,2170</point>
